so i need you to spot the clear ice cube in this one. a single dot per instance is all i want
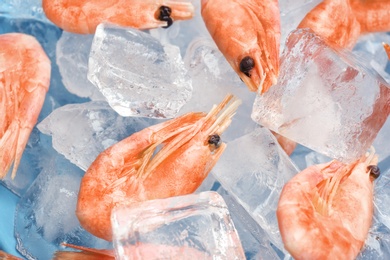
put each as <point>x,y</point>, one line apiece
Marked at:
<point>137,74</point>
<point>72,55</point>
<point>324,99</point>
<point>196,226</point>
<point>45,214</point>
<point>82,131</point>
<point>253,170</point>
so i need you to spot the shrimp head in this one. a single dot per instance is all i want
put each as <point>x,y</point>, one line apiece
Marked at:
<point>247,32</point>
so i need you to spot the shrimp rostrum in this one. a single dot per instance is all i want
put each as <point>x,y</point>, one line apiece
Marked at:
<point>24,80</point>
<point>83,16</point>
<point>132,170</point>
<point>325,211</point>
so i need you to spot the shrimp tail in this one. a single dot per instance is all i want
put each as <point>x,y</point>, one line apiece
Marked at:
<point>85,253</point>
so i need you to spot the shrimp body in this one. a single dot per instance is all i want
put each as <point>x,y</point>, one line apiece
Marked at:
<point>325,211</point>
<point>24,80</point>
<point>373,15</point>
<point>83,16</point>
<point>341,22</point>
<point>335,21</point>
<point>247,32</point>
<point>129,171</point>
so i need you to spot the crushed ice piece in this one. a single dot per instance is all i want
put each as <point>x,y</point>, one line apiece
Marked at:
<point>82,131</point>
<point>45,215</point>
<point>72,55</point>
<point>194,226</point>
<point>324,99</point>
<point>253,170</point>
<point>137,74</point>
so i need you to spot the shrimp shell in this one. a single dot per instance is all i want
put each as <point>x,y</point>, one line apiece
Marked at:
<point>24,80</point>
<point>325,211</point>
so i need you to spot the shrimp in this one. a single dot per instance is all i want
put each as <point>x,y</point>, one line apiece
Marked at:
<point>5,256</point>
<point>372,15</point>
<point>24,81</point>
<point>341,22</point>
<point>140,251</point>
<point>335,22</point>
<point>249,40</point>
<point>128,171</point>
<point>332,209</point>
<point>83,16</point>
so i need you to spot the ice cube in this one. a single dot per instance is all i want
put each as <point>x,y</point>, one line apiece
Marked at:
<point>324,99</point>
<point>369,49</point>
<point>45,215</point>
<point>254,239</point>
<point>196,226</point>
<point>81,131</point>
<point>72,54</point>
<point>137,74</point>
<point>253,169</point>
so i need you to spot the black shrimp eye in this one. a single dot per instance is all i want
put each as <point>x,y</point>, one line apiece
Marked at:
<point>246,65</point>
<point>164,15</point>
<point>215,140</point>
<point>374,171</point>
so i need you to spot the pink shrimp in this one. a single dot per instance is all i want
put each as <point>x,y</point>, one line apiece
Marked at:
<point>129,172</point>
<point>5,256</point>
<point>335,21</point>
<point>247,32</point>
<point>83,16</point>
<point>325,211</point>
<point>140,251</point>
<point>341,22</point>
<point>24,80</point>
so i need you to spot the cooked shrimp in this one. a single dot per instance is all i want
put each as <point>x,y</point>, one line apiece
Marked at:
<point>341,22</point>
<point>335,22</point>
<point>24,80</point>
<point>83,16</point>
<point>387,49</point>
<point>373,15</point>
<point>140,251</point>
<point>247,32</point>
<point>5,256</point>
<point>129,172</point>
<point>325,211</point>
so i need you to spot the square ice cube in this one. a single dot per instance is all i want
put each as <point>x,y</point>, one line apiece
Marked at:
<point>325,99</point>
<point>137,74</point>
<point>194,226</point>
